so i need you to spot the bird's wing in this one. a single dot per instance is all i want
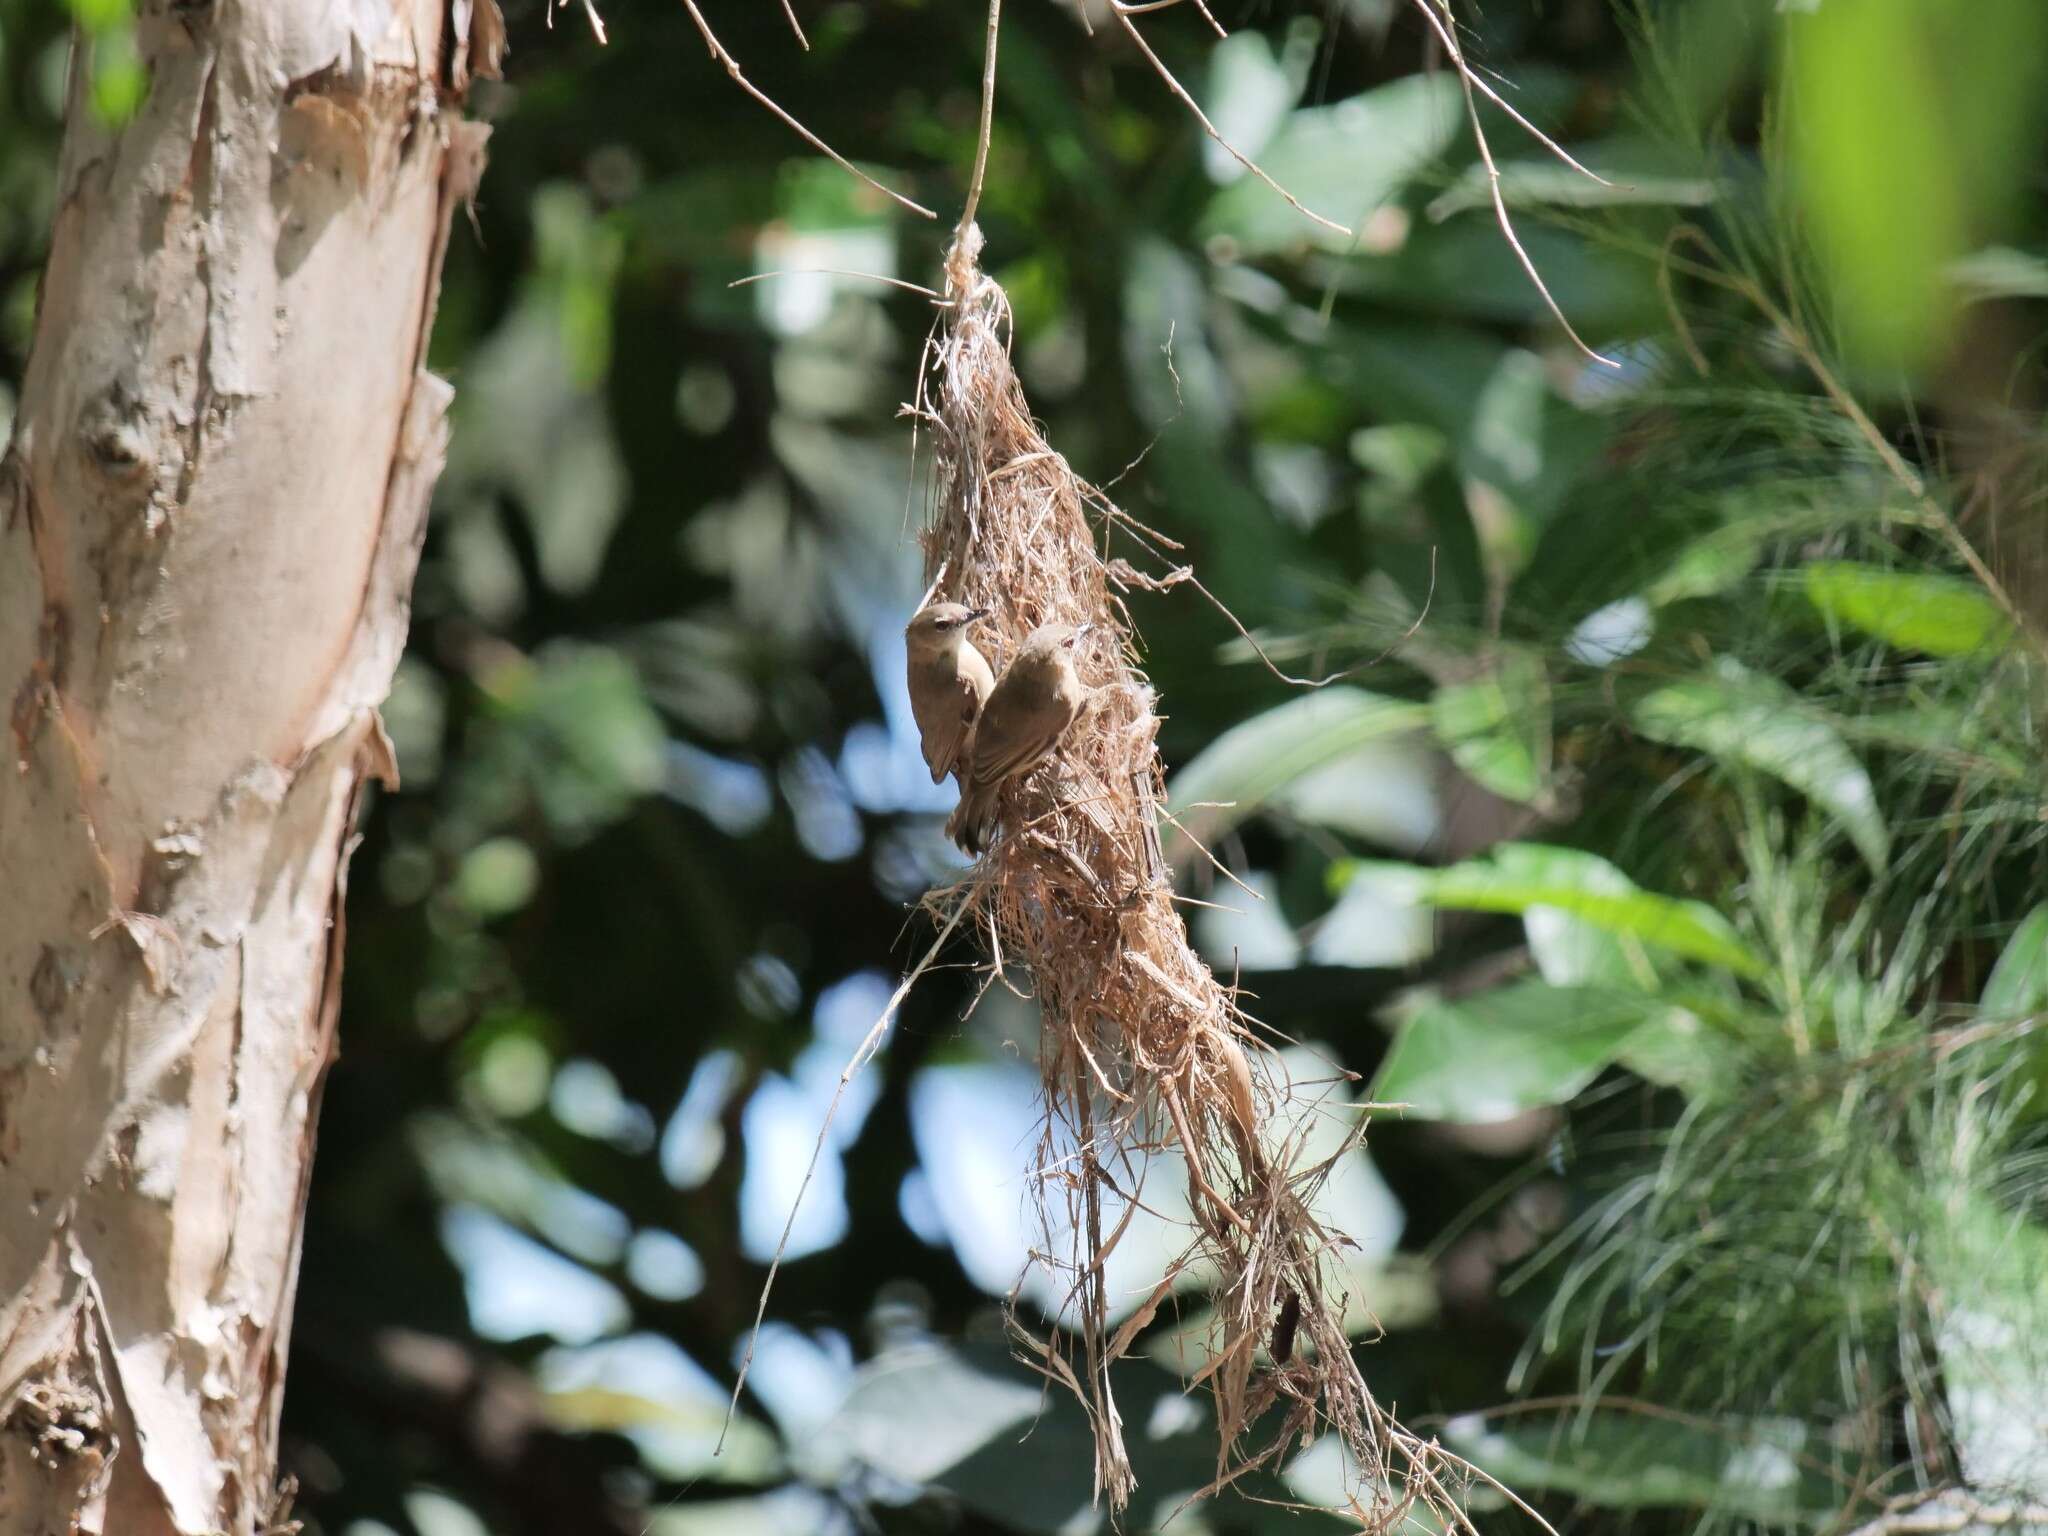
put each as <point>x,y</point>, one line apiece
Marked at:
<point>949,731</point>
<point>1002,754</point>
<point>927,719</point>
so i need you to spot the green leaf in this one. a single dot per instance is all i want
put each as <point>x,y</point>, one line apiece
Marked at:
<point>1248,97</point>
<point>1710,564</point>
<point>915,1413</point>
<point>971,1419</point>
<point>1959,742</point>
<point>1519,1047</point>
<point>1757,1469</point>
<point>1464,268</point>
<point>2018,983</point>
<point>1744,718</point>
<point>2017,988</point>
<point>1916,611</point>
<point>1521,877</point>
<point>1341,161</point>
<point>1251,763</point>
<point>1498,728</point>
<point>1548,182</point>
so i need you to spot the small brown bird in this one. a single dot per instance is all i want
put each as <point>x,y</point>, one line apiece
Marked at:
<point>949,682</point>
<point>1034,702</point>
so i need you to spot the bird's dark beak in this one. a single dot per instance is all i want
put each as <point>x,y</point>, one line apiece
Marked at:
<point>976,613</point>
<point>1084,632</point>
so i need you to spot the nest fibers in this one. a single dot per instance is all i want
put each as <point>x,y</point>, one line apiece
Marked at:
<point>1141,1048</point>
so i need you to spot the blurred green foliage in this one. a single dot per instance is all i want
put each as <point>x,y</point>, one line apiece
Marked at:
<point>1673,846</point>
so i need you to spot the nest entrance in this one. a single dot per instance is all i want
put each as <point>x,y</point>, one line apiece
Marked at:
<point>1141,1048</point>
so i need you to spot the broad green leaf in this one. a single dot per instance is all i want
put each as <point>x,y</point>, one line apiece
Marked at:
<point>1519,1047</point>
<point>1249,764</point>
<point>1571,952</point>
<point>1677,1049</point>
<point>1497,728</point>
<point>1520,877</point>
<point>915,1413</point>
<point>2018,988</point>
<point>1710,564</point>
<point>1957,741</point>
<point>1550,183</point>
<point>1759,1469</point>
<point>1248,96</point>
<point>1341,161</point>
<point>1464,268</point>
<point>2018,983</point>
<point>1914,610</point>
<point>972,1419</point>
<point>1744,718</point>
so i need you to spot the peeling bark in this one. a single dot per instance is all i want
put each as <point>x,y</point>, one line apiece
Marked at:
<point>210,514</point>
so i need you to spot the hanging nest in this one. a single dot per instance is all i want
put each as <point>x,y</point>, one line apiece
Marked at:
<point>1141,1049</point>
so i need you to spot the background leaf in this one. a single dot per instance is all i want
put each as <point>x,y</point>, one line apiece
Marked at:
<point>1245,767</point>
<point>1915,610</point>
<point>1519,1047</point>
<point>1497,728</point>
<point>1744,718</point>
<point>1764,1470</point>
<point>1521,877</point>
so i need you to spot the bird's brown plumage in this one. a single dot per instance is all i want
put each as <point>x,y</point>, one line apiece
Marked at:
<point>949,682</point>
<point>1034,702</point>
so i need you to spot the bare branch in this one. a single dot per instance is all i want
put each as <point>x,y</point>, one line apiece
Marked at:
<point>1446,28</point>
<point>1123,14</point>
<point>732,68</point>
<point>789,15</point>
<point>988,112</point>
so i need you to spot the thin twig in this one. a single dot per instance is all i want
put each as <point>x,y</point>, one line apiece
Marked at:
<point>1446,31</point>
<point>589,10</point>
<point>789,15</point>
<point>1186,573</point>
<point>732,68</point>
<point>988,113</point>
<point>1123,12</point>
<point>1557,149</point>
<point>872,277</point>
<point>862,1055</point>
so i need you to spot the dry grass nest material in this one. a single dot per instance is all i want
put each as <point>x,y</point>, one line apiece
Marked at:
<point>1142,1049</point>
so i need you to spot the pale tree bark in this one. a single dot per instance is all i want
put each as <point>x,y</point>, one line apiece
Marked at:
<point>210,514</point>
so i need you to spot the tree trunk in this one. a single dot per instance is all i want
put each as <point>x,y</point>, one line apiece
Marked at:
<point>210,514</point>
